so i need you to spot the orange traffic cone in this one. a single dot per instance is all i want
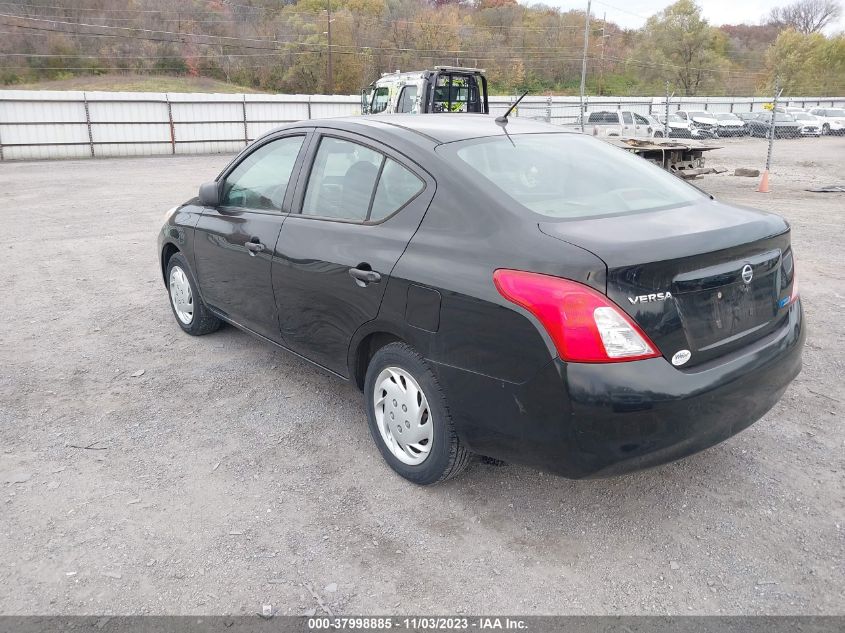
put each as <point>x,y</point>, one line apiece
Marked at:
<point>764,182</point>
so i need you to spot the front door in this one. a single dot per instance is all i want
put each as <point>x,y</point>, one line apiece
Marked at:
<point>354,214</point>
<point>234,243</point>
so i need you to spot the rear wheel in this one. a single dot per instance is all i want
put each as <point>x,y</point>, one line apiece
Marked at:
<point>409,419</point>
<point>189,310</point>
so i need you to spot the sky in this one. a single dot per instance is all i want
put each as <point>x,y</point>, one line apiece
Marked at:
<point>633,13</point>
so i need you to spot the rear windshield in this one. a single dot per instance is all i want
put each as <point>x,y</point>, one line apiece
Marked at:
<point>836,113</point>
<point>569,175</point>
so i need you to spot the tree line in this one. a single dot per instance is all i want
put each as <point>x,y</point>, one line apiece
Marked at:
<point>279,46</point>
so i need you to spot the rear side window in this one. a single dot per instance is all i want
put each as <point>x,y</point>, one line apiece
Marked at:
<point>396,187</point>
<point>351,182</point>
<point>260,181</point>
<point>627,118</point>
<point>603,117</point>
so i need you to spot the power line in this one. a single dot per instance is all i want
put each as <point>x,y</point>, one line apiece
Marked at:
<point>284,12</point>
<point>234,40</point>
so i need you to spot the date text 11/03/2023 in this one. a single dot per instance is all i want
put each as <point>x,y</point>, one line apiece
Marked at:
<point>417,623</point>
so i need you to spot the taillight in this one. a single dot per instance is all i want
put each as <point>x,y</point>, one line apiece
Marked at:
<point>793,296</point>
<point>585,326</point>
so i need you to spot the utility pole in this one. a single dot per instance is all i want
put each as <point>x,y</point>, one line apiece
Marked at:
<point>601,63</point>
<point>329,34</point>
<point>584,59</point>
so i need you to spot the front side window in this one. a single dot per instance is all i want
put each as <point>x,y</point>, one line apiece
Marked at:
<point>351,182</point>
<point>566,176</point>
<point>261,179</point>
<point>381,97</point>
<point>640,119</point>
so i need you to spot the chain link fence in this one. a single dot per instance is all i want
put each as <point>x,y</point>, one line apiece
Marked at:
<point>57,124</point>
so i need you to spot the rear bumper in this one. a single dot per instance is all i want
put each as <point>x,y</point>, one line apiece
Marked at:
<point>584,420</point>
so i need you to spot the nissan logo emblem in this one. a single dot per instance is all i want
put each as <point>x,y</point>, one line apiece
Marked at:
<point>747,273</point>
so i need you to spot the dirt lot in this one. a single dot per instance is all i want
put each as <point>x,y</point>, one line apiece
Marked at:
<point>233,475</point>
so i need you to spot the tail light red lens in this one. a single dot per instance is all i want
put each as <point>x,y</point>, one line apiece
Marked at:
<point>793,297</point>
<point>585,326</point>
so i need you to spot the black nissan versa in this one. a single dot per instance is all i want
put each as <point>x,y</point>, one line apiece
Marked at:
<point>505,289</point>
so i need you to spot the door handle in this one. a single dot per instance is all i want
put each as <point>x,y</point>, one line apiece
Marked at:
<point>364,276</point>
<point>254,246</point>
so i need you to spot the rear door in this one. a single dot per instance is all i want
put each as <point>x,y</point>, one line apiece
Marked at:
<point>356,207</point>
<point>233,245</point>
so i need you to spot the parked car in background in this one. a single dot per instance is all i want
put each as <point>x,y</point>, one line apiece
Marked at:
<point>621,123</point>
<point>730,124</point>
<point>746,116</point>
<point>785,125</point>
<point>700,119</point>
<point>607,316</point>
<point>810,125</point>
<point>657,126</point>
<point>678,127</point>
<point>683,128</point>
<point>831,119</point>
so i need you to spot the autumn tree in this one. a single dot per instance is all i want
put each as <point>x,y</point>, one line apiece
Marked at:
<point>806,16</point>
<point>679,43</point>
<point>808,63</point>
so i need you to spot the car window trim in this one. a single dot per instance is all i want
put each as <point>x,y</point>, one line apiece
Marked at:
<point>386,152</point>
<point>297,166</point>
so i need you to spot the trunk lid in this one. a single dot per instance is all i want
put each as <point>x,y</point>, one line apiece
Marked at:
<point>708,278</point>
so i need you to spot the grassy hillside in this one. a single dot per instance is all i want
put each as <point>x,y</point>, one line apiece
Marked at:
<point>134,83</point>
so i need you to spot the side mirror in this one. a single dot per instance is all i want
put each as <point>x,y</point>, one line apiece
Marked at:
<point>210,194</point>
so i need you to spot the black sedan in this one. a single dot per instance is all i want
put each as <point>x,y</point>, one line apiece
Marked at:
<point>504,289</point>
<point>785,125</point>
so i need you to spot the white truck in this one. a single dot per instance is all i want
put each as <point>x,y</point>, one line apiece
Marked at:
<point>621,123</point>
<point>443,89</point>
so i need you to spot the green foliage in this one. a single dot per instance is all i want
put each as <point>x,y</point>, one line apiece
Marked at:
<point>679,44</point>
<point>803,62</point>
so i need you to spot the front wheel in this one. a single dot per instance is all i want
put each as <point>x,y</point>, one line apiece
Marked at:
<point>190,312</point>
<point>826,129</point>
<point>409,418</point>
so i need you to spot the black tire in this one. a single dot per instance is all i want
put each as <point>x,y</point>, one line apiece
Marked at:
<point>826,130</point>
<point>203,321</point>
<point>447,457</point>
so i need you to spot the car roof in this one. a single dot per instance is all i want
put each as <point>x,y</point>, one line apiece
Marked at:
<point>437,128</point>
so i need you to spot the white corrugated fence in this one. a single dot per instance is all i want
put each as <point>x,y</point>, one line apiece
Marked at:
<point>72,124</point>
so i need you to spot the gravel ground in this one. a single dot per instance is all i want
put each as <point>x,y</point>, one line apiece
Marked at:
<point>229,474</point>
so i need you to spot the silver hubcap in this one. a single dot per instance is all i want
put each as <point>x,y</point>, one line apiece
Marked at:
<point>403,416</point>
<point>181,295</point>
